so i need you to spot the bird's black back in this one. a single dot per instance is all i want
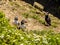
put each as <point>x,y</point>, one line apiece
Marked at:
<point>48,20</point>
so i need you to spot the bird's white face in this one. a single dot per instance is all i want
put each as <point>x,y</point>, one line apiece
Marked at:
<point>45,13</point>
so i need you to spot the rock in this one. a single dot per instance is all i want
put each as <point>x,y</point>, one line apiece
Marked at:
<point>39,6</point>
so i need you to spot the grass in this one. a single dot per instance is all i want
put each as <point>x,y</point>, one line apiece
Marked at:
<point>11,36</point>
<point>2,14</point>
<point>35,16</point>
<point>14,3</point>
<point>26,15</point>
<point>54,25</point>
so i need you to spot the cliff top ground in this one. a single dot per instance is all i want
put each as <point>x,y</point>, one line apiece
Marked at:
<point>34,17</point>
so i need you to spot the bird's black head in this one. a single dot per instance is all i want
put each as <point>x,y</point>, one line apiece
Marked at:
<point>23,21</point>
<point>16,18</point>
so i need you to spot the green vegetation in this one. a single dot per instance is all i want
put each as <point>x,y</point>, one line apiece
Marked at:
<point>34,16</point>
<point>11,36</point>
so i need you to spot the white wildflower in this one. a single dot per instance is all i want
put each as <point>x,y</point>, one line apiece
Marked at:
<point>16,34</point>
<point>22,44</point>
<point>34,34</point>
<point>49,38</point>
<point>28,36</point>
<point>44,35</point>
<point>57,38</point>
<point>26,41</point>
<point>37,39</point>
<point>19,34</point>
<point>14,40</point>
<point>2,36</point>
<point>22,37</point>
<point>9,30</point>
<point>8,35</point>
<point>45,40</point>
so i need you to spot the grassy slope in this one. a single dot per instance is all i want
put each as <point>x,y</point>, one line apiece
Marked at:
<point>11,36</point>
<point>29,11</point>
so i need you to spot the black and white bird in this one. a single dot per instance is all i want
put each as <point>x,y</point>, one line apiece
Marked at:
<point>22,25</point>
<point>47,19</point>
<point>15,21</point>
